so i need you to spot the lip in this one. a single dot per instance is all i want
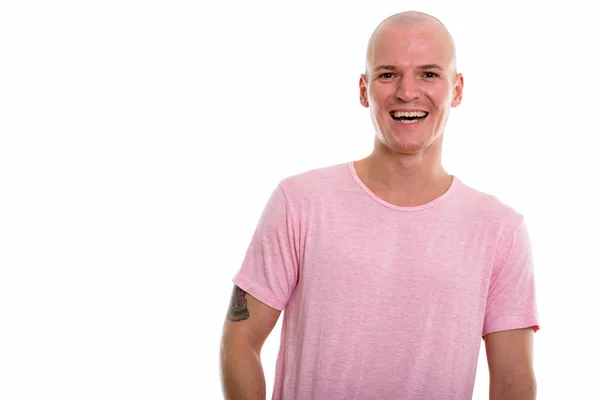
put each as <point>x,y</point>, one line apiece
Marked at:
<point>408,110</point>
<point>412,124</point>
<point>408,125</point>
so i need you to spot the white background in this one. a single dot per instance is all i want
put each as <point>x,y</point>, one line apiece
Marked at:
<point>139,142</point>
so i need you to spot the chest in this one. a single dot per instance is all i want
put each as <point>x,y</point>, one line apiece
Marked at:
<point>374,257</point>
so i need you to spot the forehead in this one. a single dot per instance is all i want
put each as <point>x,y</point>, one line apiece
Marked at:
<point>408,46</point>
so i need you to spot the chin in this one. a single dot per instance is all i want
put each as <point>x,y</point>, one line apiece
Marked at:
<point>408,145</point>
<point>408,149</point>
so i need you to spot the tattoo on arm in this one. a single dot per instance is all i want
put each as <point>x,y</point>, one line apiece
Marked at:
<point>238,309</point>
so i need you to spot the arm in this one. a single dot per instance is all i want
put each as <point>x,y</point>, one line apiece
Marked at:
<point>249,322</point>
<point>510,362</point>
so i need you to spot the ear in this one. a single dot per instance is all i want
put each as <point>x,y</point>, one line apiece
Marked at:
<point>458,90</point>
<point>362,84</point>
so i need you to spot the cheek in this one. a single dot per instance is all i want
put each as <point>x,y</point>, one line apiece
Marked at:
<point>439,102</point>
<point>380,94</point>
<point>441,97</point>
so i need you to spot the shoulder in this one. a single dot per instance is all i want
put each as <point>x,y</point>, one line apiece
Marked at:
<point>315,182</point>
<point>488,208</point>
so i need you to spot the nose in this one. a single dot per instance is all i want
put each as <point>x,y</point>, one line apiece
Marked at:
<point>408,89</point>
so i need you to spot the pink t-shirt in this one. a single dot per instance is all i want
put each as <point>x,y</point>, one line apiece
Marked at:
<point>381,301</point>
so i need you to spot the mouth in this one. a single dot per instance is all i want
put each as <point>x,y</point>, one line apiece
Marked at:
<point>409,117</point>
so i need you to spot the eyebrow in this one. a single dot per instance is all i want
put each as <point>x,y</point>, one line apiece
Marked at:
<point>431,66</point>
<point>393,68</point>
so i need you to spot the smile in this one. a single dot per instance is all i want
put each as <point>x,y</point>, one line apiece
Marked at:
<point>409,117</point>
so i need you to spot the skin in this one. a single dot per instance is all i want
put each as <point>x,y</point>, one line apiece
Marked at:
<point>510,363</point>
<point>247,326</point>
<point>404,169</point>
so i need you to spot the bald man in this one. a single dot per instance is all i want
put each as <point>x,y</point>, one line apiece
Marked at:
<point>390,270</point>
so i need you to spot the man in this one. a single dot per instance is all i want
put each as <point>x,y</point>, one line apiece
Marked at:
<point>390,270</point>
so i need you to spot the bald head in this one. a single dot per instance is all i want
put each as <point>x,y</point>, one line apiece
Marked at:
<point>401,26</point>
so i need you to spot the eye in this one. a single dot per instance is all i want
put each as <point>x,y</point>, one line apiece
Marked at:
<point>430,75</point>
<point>386,75</point>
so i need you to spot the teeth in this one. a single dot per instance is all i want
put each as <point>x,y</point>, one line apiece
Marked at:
<point>398,114</point>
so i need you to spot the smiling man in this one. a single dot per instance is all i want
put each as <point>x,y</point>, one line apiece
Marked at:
<point>389,270</point>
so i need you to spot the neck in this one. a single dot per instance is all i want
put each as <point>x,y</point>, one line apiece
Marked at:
<point>404,179</point>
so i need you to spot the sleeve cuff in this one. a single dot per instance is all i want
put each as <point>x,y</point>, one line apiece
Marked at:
<point>505,324</point>
<point>260,294</point>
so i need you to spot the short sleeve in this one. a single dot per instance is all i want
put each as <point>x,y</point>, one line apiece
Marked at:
<point>269,271</point>
<point>511,302</point>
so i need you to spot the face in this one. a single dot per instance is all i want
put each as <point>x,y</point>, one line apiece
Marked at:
<point>410,87</point>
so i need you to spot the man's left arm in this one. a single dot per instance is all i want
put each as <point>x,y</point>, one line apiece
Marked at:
<point>510,363</point>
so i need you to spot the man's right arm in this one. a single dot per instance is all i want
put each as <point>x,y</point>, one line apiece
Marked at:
<point>248,324</point>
